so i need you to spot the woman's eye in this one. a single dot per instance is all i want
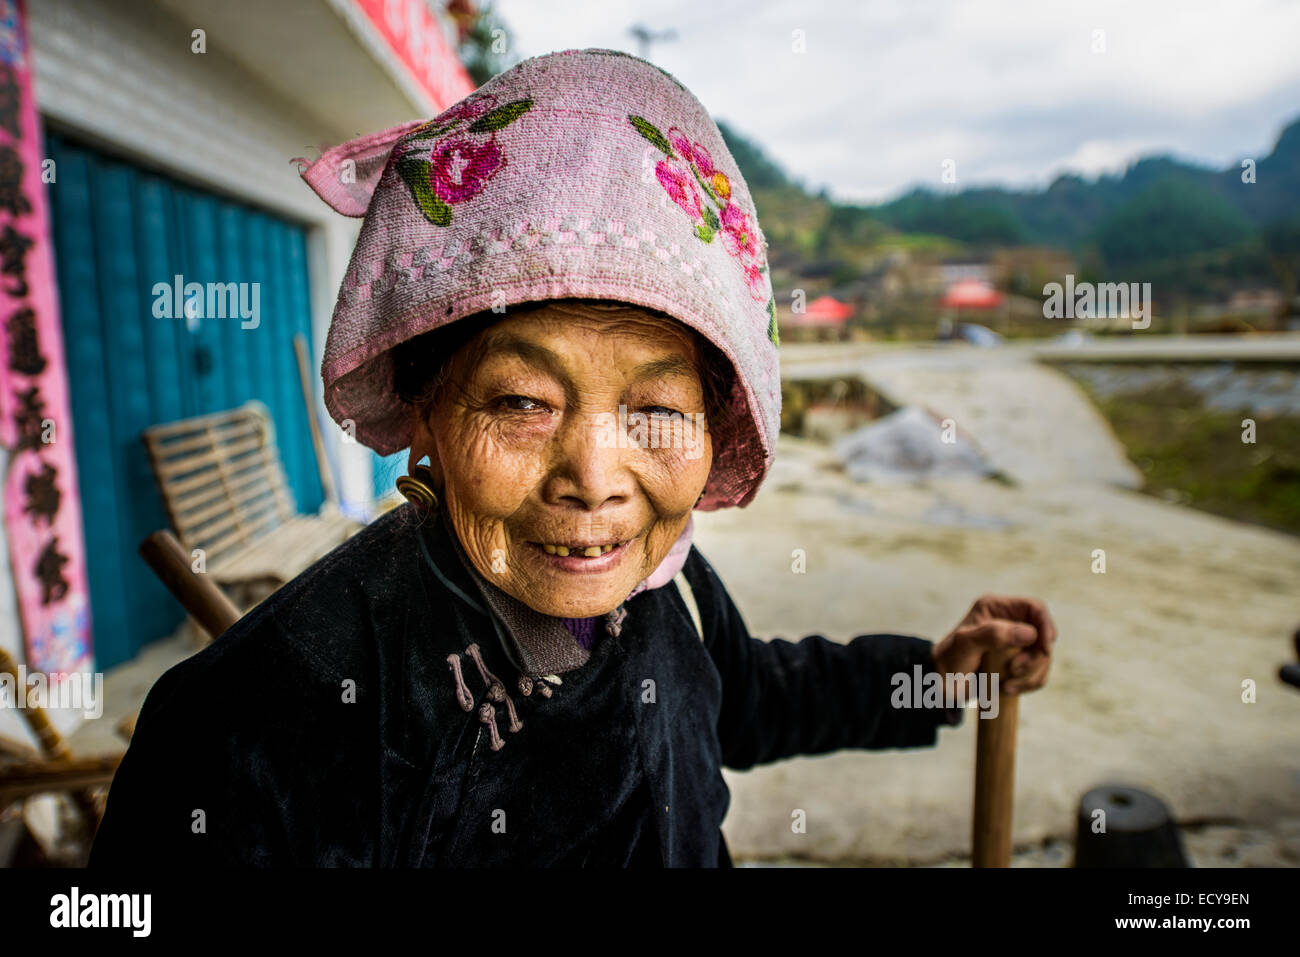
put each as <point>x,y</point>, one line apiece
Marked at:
<point>518,403</point>
<point>659,410</point>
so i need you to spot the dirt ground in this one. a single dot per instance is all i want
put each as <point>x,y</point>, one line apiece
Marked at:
<point>1146,688</point>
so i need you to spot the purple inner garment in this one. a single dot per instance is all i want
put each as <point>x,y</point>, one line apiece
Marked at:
<point>583,629</point>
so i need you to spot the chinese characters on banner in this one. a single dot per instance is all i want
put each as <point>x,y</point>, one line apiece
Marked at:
<point>42,511</point>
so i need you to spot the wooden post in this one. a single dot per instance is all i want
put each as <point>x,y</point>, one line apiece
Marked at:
<point>317,442</point>
<point>995,773</point>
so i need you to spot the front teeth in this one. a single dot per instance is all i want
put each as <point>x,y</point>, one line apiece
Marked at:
<point>591,551</point>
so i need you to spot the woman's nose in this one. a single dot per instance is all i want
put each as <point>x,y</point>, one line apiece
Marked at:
<point>590,463</point>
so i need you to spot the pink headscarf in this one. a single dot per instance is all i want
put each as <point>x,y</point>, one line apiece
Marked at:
<point>586,174</point>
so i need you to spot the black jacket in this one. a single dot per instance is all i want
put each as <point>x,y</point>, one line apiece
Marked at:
<point>324,727</point>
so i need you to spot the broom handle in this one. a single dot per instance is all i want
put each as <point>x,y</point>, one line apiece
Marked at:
<point>995,774</point>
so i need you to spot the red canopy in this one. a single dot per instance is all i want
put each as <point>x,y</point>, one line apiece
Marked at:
<point>823,311</point>
<point>972,294</point>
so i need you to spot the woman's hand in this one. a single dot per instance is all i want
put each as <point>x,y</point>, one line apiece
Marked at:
<point>997,621</point>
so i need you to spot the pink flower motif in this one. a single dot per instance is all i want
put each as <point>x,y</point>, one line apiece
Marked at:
<point>703,161</point>
<point>680,142</point>
<point>460,168</point>
<point>467,109</point>
<point>737,235</point>
<point>693,153</point>
<point>677,184</point>
<point>688,162</point>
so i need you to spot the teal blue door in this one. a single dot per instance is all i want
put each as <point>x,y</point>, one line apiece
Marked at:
<point>119,231</point>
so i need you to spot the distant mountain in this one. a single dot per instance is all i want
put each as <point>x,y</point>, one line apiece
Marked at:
<point>1194,230</point>
<point>1179,209</point>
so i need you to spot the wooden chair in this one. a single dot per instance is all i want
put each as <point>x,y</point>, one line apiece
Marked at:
<point>225,494</point>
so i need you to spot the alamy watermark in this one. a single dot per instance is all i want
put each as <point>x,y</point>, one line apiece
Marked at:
<point>949,692</point>
<point>674,430</point>
<point>74,909</point>
<point>78,690</point>
<point>214,300</point>
<point>1106,300</point>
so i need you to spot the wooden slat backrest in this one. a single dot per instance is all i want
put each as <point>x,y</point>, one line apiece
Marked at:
<point>221,479</point>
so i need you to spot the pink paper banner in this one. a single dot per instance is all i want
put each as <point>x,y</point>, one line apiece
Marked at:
<point>42,504</point>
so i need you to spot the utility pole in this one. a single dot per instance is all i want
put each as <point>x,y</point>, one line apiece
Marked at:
<point>645,36</point>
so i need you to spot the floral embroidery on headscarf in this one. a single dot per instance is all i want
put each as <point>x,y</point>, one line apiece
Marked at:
<point>688,165</point>
<point>442,169</point>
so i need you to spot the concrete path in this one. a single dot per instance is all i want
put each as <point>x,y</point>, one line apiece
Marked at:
<point>1032,422</point>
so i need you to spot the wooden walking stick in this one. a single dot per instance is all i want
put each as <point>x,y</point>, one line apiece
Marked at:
<point>995,773</point>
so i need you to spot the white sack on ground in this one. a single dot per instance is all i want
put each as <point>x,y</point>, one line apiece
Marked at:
<point>908,446</point>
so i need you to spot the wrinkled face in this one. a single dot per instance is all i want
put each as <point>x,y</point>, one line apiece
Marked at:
<point>535,459</point>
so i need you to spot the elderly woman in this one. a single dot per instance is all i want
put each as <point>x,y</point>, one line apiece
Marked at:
<point>559,302</point>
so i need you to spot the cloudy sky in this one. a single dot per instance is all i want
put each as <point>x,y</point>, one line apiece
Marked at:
<point>1013,91</point>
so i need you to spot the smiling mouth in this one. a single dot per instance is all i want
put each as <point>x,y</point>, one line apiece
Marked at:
<point>578,549</point>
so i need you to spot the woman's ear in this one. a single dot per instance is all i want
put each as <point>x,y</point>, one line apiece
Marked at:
<point>424,446</point>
